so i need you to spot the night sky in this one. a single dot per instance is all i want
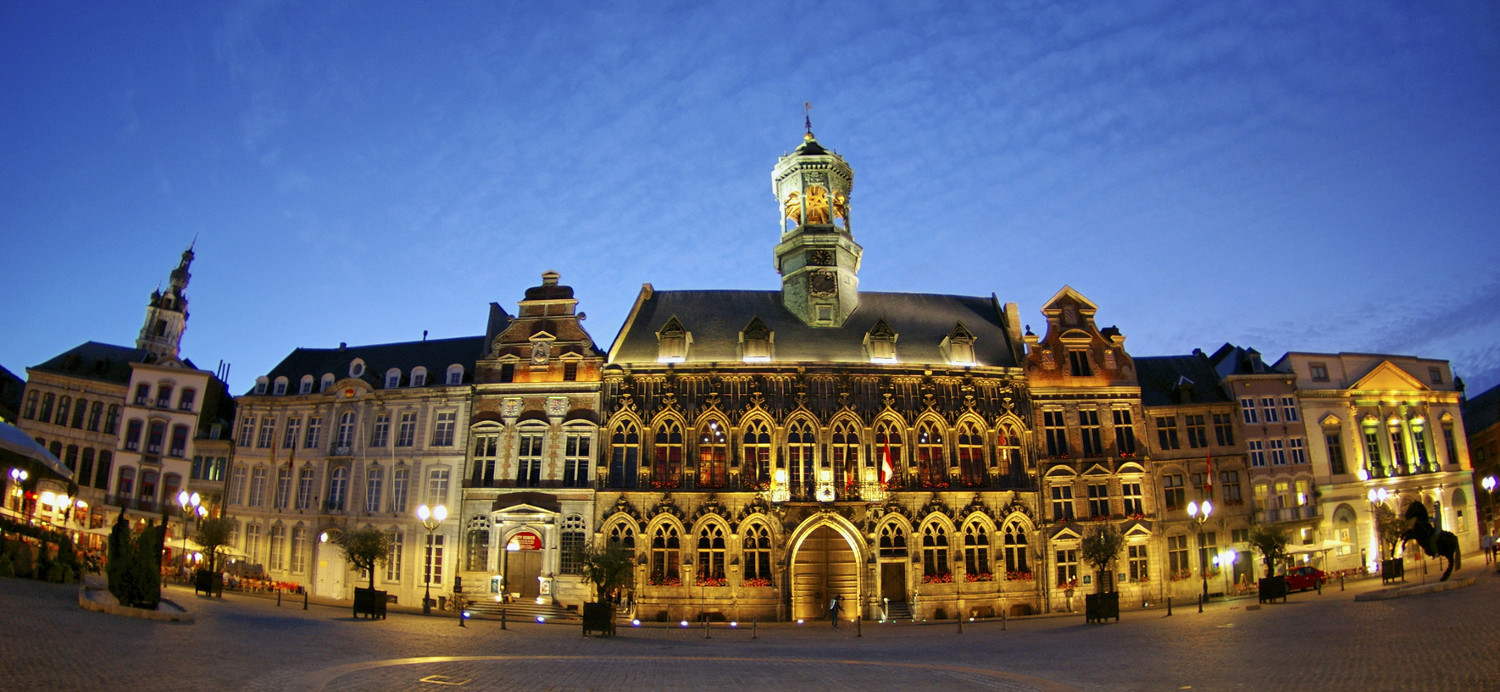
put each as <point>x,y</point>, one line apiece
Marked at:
<point>1316,176</point>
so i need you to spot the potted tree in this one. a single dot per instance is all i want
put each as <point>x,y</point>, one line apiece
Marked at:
<point>1389,526</point>
<point>213,534</point>
<point>1100,549</point>
<point>363,550</point>
<point>606,569</point>
<point>1271,542</point>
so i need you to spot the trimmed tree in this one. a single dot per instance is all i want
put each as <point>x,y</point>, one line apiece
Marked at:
<point>213,535</point>
<point>1270,542</point>
<point>606,568</point>
<point>1389,526</point>
<point>1101,547</point>
<point>365,548</point>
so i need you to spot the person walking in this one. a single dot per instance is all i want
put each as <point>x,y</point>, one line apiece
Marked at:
<point>833,610</point>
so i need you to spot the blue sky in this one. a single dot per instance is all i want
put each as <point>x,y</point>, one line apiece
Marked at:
<point>1290,176</point>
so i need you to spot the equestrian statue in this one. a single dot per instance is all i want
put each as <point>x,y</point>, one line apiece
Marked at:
<point>1434,542</point>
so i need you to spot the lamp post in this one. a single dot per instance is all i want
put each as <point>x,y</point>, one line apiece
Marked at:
<point>17,477</point>
<point>1226,559</point>
<point>1489,489</point>
<point>190,505</point>
<point>431,518</point>
<point>1199,513</point>
<point>1377,497</point>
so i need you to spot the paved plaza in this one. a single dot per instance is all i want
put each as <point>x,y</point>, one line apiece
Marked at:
<point>1439,641</point>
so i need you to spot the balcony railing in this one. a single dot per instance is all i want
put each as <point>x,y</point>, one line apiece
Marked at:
<point>1281,514</point>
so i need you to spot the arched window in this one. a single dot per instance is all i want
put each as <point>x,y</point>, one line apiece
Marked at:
<point>625,454</point>
<point>178,448</point>
<point>1015,548</point>
<point>932,472</point>
<point>393,378</point>
<point>455,374</point>
<point>326,383</point>
<point>79,412</point>
<point>623,535</point>
<point>976,552</point>
<point>338,485</point>
<point>572,538</point>
<point>112,421</point>
<point>888,447</point>
<point>186,399</point>
<point>419,376</point>
<point>712,464</point>
<point>665,546</point>
<point>757,555</point>
<point>306,385</point>
<point>64,404</point>
<point>30,411</point>
<point>666,456</point>
<point>892,540</point>
<point>156,435</point>
<point>125,484</point>
<point>46,412</point>
<point>711,556</point>
<point>344,438</point>
<point>1008,452</point>
<point>934,551</point>
<point>278,547</point>
<point>802,476</point>
<point>971,467</point>
<point>279,388</point>
<point>844,449</point>
<point>756,474</point>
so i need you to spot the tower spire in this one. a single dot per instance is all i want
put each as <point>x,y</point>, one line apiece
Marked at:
<point>807,119</point>
<point>166,312</point>
<point>817,257</point>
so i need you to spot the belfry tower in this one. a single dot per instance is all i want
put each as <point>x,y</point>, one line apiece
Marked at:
<point>817,257</point>
<point>166,314</point>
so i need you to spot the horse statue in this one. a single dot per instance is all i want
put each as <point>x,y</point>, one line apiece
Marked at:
<point>1434,542</point>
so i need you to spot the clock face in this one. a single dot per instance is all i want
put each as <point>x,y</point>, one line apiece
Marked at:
<point>822,283</point>
<point>820,258</point>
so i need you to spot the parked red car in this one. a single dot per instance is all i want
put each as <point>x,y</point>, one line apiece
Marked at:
<point>1304,578</point>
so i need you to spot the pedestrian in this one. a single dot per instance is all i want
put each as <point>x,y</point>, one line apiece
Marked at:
<point>833,610</point>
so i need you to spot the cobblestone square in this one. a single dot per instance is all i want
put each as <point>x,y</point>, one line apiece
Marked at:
<point>1439,641</point>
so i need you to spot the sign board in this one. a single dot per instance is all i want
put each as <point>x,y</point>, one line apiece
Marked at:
<point>525,540</point>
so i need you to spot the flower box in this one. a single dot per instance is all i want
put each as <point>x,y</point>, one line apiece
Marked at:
<point>944,578</point>
<point>972,577</point>
<point>757,582</point>
<point>1019,576</point>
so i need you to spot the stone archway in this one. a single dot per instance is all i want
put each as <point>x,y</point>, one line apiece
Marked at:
<point>825,563</point>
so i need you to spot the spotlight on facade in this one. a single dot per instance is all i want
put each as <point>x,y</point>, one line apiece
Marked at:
<point>635,623</point>
<point>733,624</point>
<point>541,620</point>
<point>684,623</point>
<point>799,622</point>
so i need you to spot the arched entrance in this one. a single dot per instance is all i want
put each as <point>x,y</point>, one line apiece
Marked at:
<point>522,564</point>
<point>824,565</point>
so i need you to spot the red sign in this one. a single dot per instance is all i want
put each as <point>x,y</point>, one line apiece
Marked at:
<point>525,540</point>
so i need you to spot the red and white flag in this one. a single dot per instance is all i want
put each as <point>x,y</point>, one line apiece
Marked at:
<point>886,470</point>
<point>1208,476</point>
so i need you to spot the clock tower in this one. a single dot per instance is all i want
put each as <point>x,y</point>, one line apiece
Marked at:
<point>817,257</point>
<point>167,314</point>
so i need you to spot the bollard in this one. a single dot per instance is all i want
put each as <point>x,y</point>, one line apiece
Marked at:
<point>278,598</point>
<point>1169,606</point>
<point>1003,624</point>
<point>705,628</point>
<point>1320,587</point>
<point>960,623</point>
<point>754,627</point>
<point>859,622</point>
<point>304,599</point>
<point>1200,602</point>
<point>1341,582</point>
<point>502,618</point>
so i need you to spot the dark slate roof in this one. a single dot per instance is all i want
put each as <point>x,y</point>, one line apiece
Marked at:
<point>1235,360</point>
<point>1482,411</point>
<point>1159,377</point>
<point>715,318</point>
<point>435,355</point>
<point>96,361</point>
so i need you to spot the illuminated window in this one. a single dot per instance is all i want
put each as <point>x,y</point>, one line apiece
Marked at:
<point>1067,568</point>
<point>666,456</point>
<point>1177,556</point>
<point>573,537</point>
<point>576,446</point>
<point>665,547</point>
<point>800,443</point>
<point>529,460</point>
<point>1138,564</point>
<point>625,450</point>
<point>844,449</point>
<point>710,553</point>
<point>1134,500</point>
<point>712,458</point>
<point>393,559</point>
<point>971,467</point>
<point>932,470</point>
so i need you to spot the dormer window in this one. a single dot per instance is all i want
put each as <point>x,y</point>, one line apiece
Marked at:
<point>261,384</point>
<point>1078,364</point>
<point>306,385</point>
<point>880,343</point>
<point>327,382</point>
<point>959,346</point>
<point>419,376</point>
<point>393,378</point>
<point>455,374</point>
<point>672,342</point>
<point>755,342</point>
<point>280,388</point>
<point>357,368</point>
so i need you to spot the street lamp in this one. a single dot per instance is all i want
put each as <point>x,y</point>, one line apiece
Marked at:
<point>187,501</point>
<point>1377,497</point>
<point>1199,513</point>
<point>431,518</point>
<point>1489,488</point>
<point>17,477</point>
<point>1226,559</point>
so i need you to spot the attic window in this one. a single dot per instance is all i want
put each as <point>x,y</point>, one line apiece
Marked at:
<point>305,386</point>
<point>326,383</point>
<point>455,374</point>
<point>419,377</point>
<point>357,368</point>
<point>880,343</point>
<point>260,387</point>
<point>672,342</point>
<point>1078,364</point>
<point>755,342</point>
<point>959,346</point>
<point>280,387</point>
<point>393,378</point>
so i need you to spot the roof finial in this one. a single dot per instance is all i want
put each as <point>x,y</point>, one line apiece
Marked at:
<point>807,119</point>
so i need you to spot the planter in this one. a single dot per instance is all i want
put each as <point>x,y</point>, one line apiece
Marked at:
<point>1272,588</point>
<point>1098,607</point>
<point>1392,570</point>
<point>600,618</point>
<point>369,602</point>
<point>208,583</point>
